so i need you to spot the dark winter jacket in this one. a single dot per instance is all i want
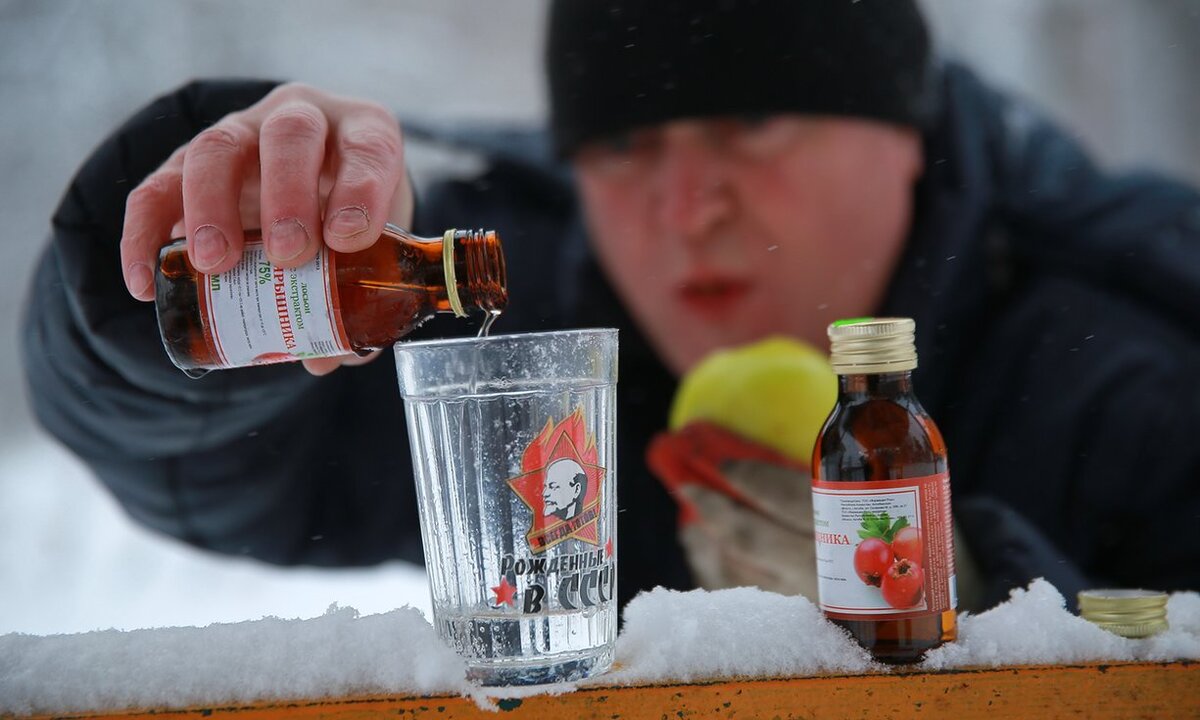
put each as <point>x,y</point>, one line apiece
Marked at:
<point>1058,315</point>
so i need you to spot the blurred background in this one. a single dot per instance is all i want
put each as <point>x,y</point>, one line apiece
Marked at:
<point>1122,74</point>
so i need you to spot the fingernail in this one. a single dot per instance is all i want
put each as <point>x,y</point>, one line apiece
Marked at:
<point>210,246</point>
<point>138,278</point>
<point>348,221</point>
<point>288,238</point>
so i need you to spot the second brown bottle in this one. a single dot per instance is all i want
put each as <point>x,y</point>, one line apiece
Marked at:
<point>881,499</point>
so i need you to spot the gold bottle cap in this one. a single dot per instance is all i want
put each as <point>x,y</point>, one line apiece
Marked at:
<point>1129,613</point>
<point>872,345</point>
<point>448,268</point>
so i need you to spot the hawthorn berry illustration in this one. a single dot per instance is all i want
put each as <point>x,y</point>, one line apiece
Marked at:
<point>903,584</point>
<point>874,555</point>
<point>872,558</point>
<point>906,545</point>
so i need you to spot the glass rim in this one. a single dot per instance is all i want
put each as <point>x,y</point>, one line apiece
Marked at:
<point>474,340</point>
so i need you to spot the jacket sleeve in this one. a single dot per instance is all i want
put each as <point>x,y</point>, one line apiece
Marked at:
<point>268,462</point>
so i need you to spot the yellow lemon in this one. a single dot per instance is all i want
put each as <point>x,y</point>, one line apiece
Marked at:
<point>776,391</point>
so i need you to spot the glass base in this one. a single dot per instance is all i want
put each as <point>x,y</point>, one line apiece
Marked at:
<point>540,673</point>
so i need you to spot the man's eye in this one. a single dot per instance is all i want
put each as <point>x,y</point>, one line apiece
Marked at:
<point>766,135</point>
<point>615,154</point>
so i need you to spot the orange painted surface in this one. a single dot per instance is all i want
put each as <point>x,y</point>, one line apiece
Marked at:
<point>1127,690</point>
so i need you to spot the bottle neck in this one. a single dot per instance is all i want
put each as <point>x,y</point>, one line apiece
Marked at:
<point>864,386</point>
<point>475,271</point>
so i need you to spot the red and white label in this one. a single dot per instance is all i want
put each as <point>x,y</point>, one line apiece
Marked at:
<point>885,549</point>
<point>259,313</point>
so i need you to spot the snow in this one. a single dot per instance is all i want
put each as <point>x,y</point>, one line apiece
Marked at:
<point>668,636</point>
<point>1035,627</point>
<point>699,635</point>
<point>1032,627</point>
<point>338,653</point>
<point>1182,639</point>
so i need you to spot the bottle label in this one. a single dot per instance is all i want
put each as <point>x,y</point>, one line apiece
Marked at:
<point>259,313</point>
<point>884,548</point>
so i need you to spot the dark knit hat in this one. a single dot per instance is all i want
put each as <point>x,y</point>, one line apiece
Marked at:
<point>614,65</point>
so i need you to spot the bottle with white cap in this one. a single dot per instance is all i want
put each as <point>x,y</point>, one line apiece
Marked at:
<point>881,498</point>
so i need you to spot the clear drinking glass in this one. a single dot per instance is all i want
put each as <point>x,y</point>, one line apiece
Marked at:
<point>514,453</point>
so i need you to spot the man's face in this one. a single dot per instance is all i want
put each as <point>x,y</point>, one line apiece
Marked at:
<point>562,486</point>
<point>720,232</point>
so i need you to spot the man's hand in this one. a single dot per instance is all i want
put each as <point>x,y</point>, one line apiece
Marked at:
<point>745,510</point>
<point>308,167</point>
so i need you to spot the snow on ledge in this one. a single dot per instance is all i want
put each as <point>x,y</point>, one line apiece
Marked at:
<point>671,636</point>
<point>337,654</point>
<point>668,636</point>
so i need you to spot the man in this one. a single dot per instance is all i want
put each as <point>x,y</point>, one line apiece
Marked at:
<point>743,169</point>
<point>562,496</point>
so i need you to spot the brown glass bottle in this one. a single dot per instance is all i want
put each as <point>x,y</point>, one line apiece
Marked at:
<point>878,431</point>
<point>371,298</point>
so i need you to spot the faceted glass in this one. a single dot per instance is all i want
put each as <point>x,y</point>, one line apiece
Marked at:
<point>514,452</point>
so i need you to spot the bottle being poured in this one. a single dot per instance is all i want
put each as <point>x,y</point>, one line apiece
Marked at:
<point>339,303</point>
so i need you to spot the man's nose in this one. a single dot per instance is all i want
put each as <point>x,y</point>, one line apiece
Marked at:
<point>692,195</point>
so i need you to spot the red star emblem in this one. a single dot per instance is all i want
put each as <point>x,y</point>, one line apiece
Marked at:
<point>505,593</point>
<point>608,548</point>
<point>568,450</point>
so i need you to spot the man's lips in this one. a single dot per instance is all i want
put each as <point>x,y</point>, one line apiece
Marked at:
<point>712,295</point>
